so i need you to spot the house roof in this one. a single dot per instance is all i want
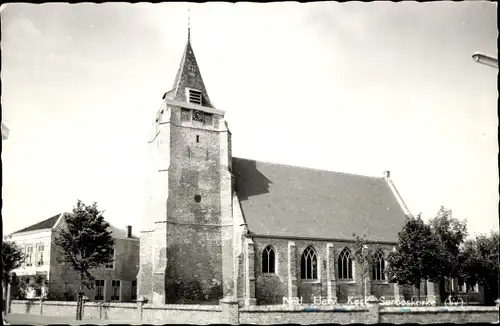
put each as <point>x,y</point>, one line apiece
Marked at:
<point>45,224</point>
<point>289,201</point>
<point>51,222</point>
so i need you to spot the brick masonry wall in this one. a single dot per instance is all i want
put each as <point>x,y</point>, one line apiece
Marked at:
<point>229,313</point>
<point>145,275</point>
<point>271,288</point>
<point>194,251</point>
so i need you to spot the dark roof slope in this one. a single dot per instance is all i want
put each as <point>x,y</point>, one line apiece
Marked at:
<point>281,200</point>
<point>189,76</point>
<point>45,224</point>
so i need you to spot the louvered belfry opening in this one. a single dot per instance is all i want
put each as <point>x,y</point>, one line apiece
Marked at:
<point>195,97</point>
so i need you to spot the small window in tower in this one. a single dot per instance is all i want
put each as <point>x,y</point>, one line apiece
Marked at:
<point>185,115</point>
<point>195,96</point>
<point>197,138</point>
<point>208,120</point>
<point>197,198</point>
<point>198,116</point>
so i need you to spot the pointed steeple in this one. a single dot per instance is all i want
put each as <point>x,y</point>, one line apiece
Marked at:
<point>189,25</point>
<point>189,77</point>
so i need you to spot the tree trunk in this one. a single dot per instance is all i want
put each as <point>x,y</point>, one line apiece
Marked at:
<point>78,307</point>
<point>442,289</point>
<point>79,300</point>
<point>418,291</point>
<point>488,295</point>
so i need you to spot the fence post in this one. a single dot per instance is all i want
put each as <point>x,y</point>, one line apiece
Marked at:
<point>140,303</point>
<point>84,300</point>
<point>231,310</point>
<point>7,303</point>
<point>41,306</point>
<point>373,310</point>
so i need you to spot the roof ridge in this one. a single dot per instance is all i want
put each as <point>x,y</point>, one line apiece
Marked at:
<point>42,225</point>
<point>310,168</point>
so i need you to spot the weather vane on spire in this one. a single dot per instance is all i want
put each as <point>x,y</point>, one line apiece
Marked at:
<point>189,24</point>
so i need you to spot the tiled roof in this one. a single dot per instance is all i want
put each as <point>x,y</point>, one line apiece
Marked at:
<point>50,223</point>
<point>45,224</point>
<point>281,200</point>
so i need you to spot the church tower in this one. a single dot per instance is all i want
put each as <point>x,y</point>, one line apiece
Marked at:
<point>187,239</point>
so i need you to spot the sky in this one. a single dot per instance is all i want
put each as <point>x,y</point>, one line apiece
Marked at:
<point>350,87</point>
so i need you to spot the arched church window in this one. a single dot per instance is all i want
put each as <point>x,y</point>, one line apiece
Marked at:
<point>378,268</point>
<point>309,264</point>
<point>345,265</point>
<point>268,260</point>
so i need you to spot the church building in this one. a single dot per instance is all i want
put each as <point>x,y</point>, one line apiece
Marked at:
<point>218,226</point>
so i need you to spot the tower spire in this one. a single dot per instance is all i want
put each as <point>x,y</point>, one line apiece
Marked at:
<point>189,24</point>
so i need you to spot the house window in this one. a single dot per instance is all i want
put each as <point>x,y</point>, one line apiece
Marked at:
<point>99,290</point>
<point>29,256</point>
<point>197,138</point>
<point>473,288</point>
<point>115,290</point>
<point>23,250</point>
<point>185,115</point>
<point>268,260</point>
<point>461,285</point>
<point>198,116</point>
<point>195,96</point>
<point>133,295</point>
<point>39,258</point>
<point>111,264</point>
<point>308,264</point>
<point>345,265</point>
<point>378,268</point>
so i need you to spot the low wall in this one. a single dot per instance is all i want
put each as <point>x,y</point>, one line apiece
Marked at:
<point>232,313</point>
<point>425,315</point>
<point>170,314</point>
<point>266,315</point>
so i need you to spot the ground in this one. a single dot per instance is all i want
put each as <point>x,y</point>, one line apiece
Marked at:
<point>37,320</point>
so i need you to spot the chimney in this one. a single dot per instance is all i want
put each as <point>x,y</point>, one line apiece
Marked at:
<point>129,231</point>
<point>387,174</point>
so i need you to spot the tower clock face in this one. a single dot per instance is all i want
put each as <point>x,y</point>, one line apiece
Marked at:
<point>198,116</point>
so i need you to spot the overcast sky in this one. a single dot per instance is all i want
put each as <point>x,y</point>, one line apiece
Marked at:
<point>352,87</point>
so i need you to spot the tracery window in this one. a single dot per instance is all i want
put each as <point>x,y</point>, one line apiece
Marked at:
<point>309,264</point>
<point>345,265</point>
<point>268,260</point>
<point>378,268</point>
